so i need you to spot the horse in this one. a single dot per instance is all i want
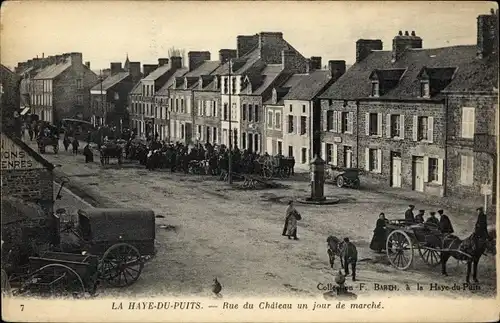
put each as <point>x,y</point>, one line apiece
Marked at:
<point>470,250</point>
<point>346,251</point>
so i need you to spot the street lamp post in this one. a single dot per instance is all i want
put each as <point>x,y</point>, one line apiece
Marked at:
<point>230,159</point>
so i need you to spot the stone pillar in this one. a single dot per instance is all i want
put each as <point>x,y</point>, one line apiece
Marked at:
<point>317,179</point>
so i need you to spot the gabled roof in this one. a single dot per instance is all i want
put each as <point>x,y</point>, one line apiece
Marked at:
<point>137,89</point>
<point>5,70</point>
<point>471,74</point>
<point>241,64</point>
<point>178,73</point>
<point>157,73</point>
<point>52,71</point>
<point>309,86</point>
<point>110,81</point>
<point>387,74</point>
<point>285,87</point>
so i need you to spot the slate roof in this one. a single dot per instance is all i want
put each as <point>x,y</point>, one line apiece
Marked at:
<point>285,87</point>
<point>110,81</point>
<point>52,71</point>
<point>157,73</point>
<point>269,74</point>
<point>471,73</point>
<point>309,86</point>
<point>242,63</point>
<point>178,73</point>
<point>204,69</point>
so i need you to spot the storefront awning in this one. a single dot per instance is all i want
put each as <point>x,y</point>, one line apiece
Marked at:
<point>25,110</point>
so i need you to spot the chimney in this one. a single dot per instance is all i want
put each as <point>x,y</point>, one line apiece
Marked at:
<point>401,43</point>
<point>162,61</point>
<point>270,45</point>
<point>244,44</point>
<point>487,34</point>
<point>337,69</point>
<point>135,70</point>
<point>175,62</point>
<point>116,68</point>
<point>197,58</point>
<point>87,64</point>
<point>315,62</point>
<point>226,54</point>
<point>76,59</point>
<point>59,59</point>
<point>365,46</point>
<point>148,68</point>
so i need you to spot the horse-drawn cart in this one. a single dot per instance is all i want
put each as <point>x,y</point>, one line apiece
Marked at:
<point>277,166</point>
<point>107,245</point>
<point>48,140</point>
<point>111,149</point>
<point>403,238</point>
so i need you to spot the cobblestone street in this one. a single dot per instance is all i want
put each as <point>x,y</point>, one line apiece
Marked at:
<point>208,230</point>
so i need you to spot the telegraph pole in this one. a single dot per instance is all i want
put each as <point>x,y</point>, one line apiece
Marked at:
<point>230,159</point>
<point>102,99</point>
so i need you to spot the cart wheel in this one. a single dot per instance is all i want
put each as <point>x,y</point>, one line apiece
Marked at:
<point>121,265</point>
<point>340,181</point>
<point>55,280</point>
<point>429,256</point>
<point>399,249</point>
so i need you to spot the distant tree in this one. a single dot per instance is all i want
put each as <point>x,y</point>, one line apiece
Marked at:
<point>178,52</point>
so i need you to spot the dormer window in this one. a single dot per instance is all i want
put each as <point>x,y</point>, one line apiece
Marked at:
<point>425,89</point>
<point>375,89</point>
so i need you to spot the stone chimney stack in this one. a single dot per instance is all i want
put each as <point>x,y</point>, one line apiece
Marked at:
<point>291,62</point>
<point>76,59</point>
<point>365,46</point>
<point>116,68</point>
<point>148,68</point>
<point>401,43</point>
<point>162,61</point>
<point>245,43</point>
<point>135,70</point>
<point>226,54</point>
<point>337,69</point>
<point>195,59</point>
<point>487,34</point>
<point>175,62</point>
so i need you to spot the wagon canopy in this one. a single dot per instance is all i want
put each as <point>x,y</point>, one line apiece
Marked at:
<point>119,224</point>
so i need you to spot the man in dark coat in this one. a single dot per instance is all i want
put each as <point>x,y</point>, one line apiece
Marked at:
<point>445,223</point>
<point>419,218</point>
<point>75,145</point>
<point>432,220</point>
<point>481,227</point>
<point>87,152</point>
<point>409,217</point>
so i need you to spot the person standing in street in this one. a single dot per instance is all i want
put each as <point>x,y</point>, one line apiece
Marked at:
<point>291,218</point>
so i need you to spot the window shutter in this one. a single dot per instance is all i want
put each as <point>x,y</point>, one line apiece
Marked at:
<point>367,159</point>
<point>334,153</point>
<point>415,128</point>
<point>388,126</point>
<point>325,120</point>
<point>379,124</point>
<point>335,124</point>
<point>430,129</point>
<point>216,109</point>
<point>367,124</point>
<point>349,122</point>
<point>472,122</point>
<point>426,169</point>
<point>402,126</point>
<point>440,171</point>
<point>323,151</point>
<point>379,160</point>
<point>296,125</point>
<point>470,169</point>
<point>188,104</point>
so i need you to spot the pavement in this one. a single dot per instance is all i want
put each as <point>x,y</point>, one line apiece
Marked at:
<point>208,229</point>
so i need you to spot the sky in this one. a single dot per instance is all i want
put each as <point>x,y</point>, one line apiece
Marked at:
<point>105,31</point>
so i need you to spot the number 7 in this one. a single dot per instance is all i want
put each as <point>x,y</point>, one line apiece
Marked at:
<point>22,307</point>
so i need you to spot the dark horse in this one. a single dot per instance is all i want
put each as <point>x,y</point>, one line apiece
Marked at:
<point>346,251</point>
<point>470,249</point>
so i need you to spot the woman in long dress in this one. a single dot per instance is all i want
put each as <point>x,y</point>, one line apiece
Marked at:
<point>291,218</point>
<point>379,234</point>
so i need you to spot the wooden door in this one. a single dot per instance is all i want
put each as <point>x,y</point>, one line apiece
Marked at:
<point>418,174</point>
<point>396,172</point>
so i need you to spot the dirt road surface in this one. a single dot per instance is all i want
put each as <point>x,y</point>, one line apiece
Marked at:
<point>213,230</point>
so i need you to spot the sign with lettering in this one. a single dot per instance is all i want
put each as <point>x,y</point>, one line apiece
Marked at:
<point>14,157</point>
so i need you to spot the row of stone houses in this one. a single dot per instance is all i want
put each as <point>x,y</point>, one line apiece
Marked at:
<point>418,119</point>
<point>215,100</point>
<point>56,87</point>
